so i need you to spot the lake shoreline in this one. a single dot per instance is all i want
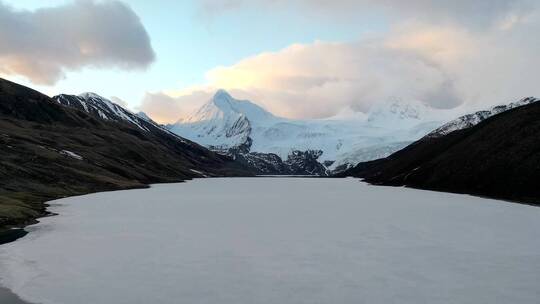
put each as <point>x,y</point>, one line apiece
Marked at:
<point>45,213</point>
<point>11,235</point>
<point>43,205</point>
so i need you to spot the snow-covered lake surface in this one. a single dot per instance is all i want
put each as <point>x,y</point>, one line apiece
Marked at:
<point>278,240</point>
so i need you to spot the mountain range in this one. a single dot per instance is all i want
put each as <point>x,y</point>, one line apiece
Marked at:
<point>248,132</point>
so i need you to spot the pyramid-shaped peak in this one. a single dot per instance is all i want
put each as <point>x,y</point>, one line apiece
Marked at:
<point>223,106</point>
<point>223,100</point>
<point>222,94</point>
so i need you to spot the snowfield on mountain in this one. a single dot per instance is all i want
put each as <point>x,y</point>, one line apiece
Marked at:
<point>225,123</point>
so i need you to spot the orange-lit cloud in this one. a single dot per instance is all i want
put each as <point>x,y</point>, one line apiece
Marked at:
<point>442,64</point>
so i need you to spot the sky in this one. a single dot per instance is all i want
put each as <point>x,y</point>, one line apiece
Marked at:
<point>297,58</point>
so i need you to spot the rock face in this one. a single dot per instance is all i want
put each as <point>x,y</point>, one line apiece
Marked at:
<point>240,127</point>
<point>297,163</point>
<point>71,145</point>
<point>498,157</point>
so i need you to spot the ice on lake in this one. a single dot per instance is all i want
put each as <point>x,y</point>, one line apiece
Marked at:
<point>278,240</point>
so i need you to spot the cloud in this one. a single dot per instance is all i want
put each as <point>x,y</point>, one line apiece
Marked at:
<point>441,64</point>
<point>164,108</point>
<point>318,79</point>
<point>42,44</point>
<point>465,12</point>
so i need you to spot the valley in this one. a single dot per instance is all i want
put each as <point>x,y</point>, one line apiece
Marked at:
<point>269,152</point>
<point>76,144</point>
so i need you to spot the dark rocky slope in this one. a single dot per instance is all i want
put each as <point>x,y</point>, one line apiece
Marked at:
<point>297,163</point>
<point>498,158</point>
<point>48,151</point>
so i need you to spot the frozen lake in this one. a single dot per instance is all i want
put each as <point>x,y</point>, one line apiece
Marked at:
<point>279,241</point>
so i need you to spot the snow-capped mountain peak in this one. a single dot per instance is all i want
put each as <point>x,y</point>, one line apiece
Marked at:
<point>396,112</point>
<point>102,107</point>
<point>223,100</point>
<point>223,122</point>
<point>105,109</point>
<point>223,106</point>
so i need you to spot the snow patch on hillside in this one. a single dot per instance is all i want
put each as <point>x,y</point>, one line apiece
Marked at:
<point>71,154</point>
<point>471,120</point>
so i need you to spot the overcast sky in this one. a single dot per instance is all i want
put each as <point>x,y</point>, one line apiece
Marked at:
<point>301,59</point>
